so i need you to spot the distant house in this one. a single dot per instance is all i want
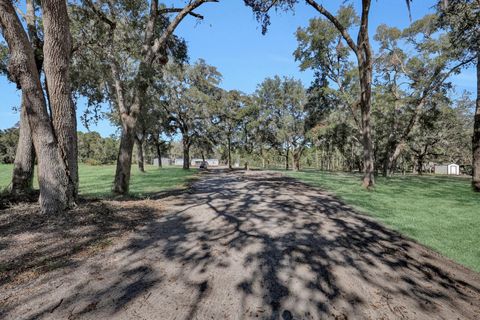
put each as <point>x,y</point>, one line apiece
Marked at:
<point>165,162</point>
<point>450,169</point>
<point>178,162</point>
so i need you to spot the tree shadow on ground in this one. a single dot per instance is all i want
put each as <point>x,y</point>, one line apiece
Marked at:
<point>291,251</point>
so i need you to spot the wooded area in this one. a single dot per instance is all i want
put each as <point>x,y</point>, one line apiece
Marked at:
<point>352,197</point>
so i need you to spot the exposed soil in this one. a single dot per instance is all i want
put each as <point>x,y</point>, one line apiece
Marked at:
<point>240,245</point>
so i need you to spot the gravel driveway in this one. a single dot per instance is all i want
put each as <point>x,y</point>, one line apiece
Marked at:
<point>252,245</point>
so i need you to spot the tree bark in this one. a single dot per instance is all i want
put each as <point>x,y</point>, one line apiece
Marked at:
<point>56,52</point>
<point>159,153</point>
<point>420,165</point>
<point>297,154</point>
<point>365,69</point>
<point>124,159</point>
<point>52,174</point>
<point>476,135</point>
<point>229,153</point>
<point>186,153</point>
<point>287,156</point>
<point>23,168</point>
<point>140,157</point>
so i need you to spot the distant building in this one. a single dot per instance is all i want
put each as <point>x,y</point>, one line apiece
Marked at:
<point>198,162</point>
<point>450,169</point>
<point>165,162</point>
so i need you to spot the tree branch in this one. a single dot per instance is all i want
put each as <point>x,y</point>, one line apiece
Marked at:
<point>103,17</point>
<point>343,31</point>
<point>161,42</point>
<point>173,10</point>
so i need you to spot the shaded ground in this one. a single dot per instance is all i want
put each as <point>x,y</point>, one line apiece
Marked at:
<point>238,246</point>
<point>441,212</point>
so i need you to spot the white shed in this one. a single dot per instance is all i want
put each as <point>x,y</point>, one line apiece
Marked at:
<point>450,169</point>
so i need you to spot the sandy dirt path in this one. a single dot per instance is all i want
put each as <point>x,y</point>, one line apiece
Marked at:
<point>252,245</point>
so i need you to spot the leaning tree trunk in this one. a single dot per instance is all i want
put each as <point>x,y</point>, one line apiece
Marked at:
<point>186,153</point>
<point>23,168</point>
<point>140,156</point>
<point>52,174</point>
<point>476,135</point>
<point>56,51</point>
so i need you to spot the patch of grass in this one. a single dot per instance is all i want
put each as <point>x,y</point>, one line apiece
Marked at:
<point>96,181</point>
<point>440,212</point>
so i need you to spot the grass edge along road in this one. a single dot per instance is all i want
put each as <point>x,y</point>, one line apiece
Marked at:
<point>440,212</point>
<point>96,181</point>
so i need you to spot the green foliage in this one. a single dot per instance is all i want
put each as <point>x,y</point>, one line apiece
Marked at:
<point>8,144</point>
<point>3,58</point>
<point>95,150</point>
<point>190,96</point>
<point>439,212</point>
<point>461,18</point>
<point>97,46</point>
<point>321,46</point>
<point>281,104</point>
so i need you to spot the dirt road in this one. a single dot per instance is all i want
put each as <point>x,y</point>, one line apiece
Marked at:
<point>252,245</point>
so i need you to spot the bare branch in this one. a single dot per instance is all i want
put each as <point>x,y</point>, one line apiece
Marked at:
<point>173,10</point>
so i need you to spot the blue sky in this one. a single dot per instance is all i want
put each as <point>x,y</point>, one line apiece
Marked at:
<point>230,39</point>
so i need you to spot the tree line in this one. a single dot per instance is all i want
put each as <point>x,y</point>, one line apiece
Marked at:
<point>369,111</point>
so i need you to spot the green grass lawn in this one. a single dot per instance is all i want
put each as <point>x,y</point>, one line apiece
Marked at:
<point>440,212</point>
<point>96,181</point>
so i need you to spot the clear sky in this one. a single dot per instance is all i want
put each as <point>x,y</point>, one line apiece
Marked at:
<point>230,39</point>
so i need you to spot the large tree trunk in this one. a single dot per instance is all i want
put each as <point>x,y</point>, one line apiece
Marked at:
<point>53,179</point>
<point>186,153</point>
<point>364,57</point>
<point>476,135</point>
<point>297,154</point>
<point>23,169</point>
<point>124,159</point>
<point>140,156</point>
<point>56,52</point>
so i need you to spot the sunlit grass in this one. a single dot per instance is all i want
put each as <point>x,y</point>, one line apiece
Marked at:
<point>96,181</point>
<point>440,212</point>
